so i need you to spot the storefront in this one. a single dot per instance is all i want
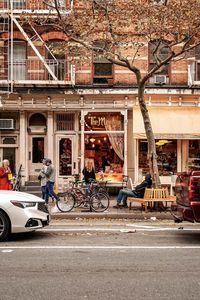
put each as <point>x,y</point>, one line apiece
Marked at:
<point>177,134</point>
<point>95,135</point>
<point>104,138</point>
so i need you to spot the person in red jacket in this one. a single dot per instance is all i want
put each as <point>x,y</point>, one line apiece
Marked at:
<point>5,183</point>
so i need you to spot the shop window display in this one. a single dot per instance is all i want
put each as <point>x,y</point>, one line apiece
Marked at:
<point>194,155</point>
<point>105,147</point>
<point>99,148</point>
<point>167,157</point>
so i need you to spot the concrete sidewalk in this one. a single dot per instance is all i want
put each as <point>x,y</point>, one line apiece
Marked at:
<point>111,213</point>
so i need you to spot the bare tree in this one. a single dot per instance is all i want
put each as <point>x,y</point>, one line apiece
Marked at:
<point>125,29</point>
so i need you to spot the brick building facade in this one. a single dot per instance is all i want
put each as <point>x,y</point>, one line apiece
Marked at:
<point>53,107</point>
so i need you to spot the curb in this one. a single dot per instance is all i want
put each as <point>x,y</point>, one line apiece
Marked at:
<point>106,216</point>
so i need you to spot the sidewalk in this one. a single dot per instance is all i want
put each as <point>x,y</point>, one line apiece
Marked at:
<point>112,213</point>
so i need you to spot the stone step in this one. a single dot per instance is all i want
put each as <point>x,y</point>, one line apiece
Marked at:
<point>32,183</point>
<point>31,188</point>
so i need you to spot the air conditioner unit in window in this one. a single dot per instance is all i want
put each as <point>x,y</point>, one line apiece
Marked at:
<point>7,124</point>
<point>160,79</point>
<point>160,2</point>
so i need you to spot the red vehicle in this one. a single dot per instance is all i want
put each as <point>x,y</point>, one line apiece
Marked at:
<point>188,196</point>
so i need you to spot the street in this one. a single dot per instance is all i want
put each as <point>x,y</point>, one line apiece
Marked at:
<point>102,259</point>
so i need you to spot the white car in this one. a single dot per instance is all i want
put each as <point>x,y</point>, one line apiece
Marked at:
<point>21,212</point>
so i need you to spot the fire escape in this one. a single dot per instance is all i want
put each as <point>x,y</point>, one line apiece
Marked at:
<point>41,68</point>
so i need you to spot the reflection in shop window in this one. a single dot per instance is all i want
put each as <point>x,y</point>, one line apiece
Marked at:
<point>104,139</point>
<point>110,147</point>
<point>194,155</point>
<point>65,157</point>
<point>167,156</point>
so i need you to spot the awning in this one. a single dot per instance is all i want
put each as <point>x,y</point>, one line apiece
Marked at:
<point>169,123</point>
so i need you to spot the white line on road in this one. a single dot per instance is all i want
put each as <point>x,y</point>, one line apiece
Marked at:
<point>101,247</point>
<point>89,229</point>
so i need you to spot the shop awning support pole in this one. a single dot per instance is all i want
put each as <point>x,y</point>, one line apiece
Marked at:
<point>82,140</point>
<point>125,142</point>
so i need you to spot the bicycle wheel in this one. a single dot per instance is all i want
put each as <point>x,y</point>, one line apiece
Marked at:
<point>99,201</point>
<point>65,202</point>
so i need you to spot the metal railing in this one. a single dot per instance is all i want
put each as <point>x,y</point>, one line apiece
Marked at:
<point>34,4</point>
<point>34,70</point>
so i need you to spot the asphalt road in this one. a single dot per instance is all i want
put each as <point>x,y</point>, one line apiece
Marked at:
<point>98,260</point>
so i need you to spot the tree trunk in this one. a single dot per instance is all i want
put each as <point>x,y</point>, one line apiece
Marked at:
<point>152,156</point>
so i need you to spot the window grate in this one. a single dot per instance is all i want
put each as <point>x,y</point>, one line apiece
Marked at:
<point>65,122</point>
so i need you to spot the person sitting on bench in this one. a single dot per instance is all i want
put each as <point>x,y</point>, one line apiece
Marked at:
<point>138,192</point>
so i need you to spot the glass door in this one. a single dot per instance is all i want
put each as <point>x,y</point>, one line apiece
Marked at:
<point>66,164</point>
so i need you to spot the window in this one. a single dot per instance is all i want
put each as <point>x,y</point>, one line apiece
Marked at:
<point>37,149</point>
<point>37,120</point>
<point>19,4</point>
<point>65,157</point>
<point>65,122</point>
<point>56,58</point>
<point>61,3</point>
<point>167,157</point>
<point>162,54</point>
<point>102,68</point>
<point>102,72</point>
<point>197,57</point>
<point>194,155</point>
<point>160,2</point>
<point>9,140</point>
<point>19,61</point>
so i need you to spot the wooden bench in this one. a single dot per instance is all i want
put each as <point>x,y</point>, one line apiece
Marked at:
<point>151,196</point>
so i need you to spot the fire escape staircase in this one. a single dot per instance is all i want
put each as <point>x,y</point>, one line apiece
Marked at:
<point>10,18</point>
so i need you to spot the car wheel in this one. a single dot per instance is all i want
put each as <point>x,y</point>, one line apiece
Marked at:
<point>4,226</point>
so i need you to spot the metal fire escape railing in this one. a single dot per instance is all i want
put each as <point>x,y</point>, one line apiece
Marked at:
<point>10,11</point>
<point>5,42</point>
<point>33,47</point>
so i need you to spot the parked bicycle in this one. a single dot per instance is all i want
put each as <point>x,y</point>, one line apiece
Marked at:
<point>94,187</point>
<point>18,180</point>
<point>95,200</point>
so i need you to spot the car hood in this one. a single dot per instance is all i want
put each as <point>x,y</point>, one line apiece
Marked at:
<point>20,196</point>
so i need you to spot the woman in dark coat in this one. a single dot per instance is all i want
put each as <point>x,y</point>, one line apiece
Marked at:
<point>88,172</point>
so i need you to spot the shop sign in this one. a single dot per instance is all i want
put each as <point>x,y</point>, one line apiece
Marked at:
<point>97,122</point>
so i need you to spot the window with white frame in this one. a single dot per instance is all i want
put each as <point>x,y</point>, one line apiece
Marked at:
<point>19,4</point>
<point>19,61</point>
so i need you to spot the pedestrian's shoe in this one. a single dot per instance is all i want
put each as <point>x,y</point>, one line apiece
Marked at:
<point>117,206</point>
<point>124,205</point>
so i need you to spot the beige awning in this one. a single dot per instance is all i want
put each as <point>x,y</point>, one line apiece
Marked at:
<point>169,122</point>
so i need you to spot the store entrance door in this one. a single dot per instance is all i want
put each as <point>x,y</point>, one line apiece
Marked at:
<point>36,155</point>
<point>66,158</point>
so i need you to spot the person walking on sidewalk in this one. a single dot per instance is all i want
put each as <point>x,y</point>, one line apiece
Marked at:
<point>43,178</point>
<point>50,175</point>
<point>138,192</point>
